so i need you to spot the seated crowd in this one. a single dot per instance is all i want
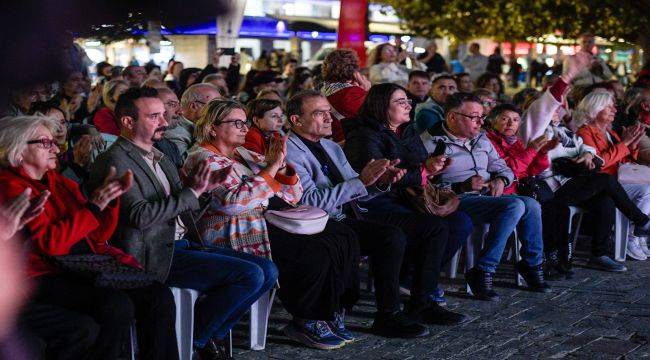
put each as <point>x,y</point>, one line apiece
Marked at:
<point>172,180</point>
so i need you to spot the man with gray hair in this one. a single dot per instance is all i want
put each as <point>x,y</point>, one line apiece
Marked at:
<point>192,102</point>
<point>219,81</point>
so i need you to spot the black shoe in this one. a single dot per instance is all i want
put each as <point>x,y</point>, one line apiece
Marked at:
<point>534,276</point>
<point>397,325</point>
<point>552,267</point>
<point>435,314</point>
<point>480,282</point>
<point>215,350</point>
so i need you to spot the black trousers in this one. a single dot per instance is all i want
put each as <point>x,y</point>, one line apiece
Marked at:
<point>318,274</point>
<point>424,240</point>
<point>74,317</point>
<point>601,195</point>
<point>385,244</point>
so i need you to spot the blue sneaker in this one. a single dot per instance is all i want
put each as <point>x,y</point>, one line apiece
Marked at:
<point>438,297</point>
<point>338,328</point>
<point>315,334</point>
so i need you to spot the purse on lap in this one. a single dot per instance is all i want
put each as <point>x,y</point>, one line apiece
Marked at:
<point>433,200</point>
<point>305,220</point>
<point>631,173</point>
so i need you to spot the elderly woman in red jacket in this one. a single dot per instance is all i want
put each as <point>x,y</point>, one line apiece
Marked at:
<point>525,161</point>
<point>73,224</point>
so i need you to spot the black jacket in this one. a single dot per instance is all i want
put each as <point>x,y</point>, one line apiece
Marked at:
<point>368,139</point>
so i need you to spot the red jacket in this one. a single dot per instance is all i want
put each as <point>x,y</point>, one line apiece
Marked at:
<point>346,102</point>
<point>106,122</point>
<point>523,161</point>
<point>65,221</point>
<point>256,141</point>
<point>612,154</point>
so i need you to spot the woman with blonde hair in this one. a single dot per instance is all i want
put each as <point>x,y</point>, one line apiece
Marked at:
<point>318,273</point>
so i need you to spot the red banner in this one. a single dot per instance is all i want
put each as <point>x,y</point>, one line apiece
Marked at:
<point>352,27</point>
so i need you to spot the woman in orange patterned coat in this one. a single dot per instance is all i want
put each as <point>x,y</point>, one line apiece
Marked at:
<point>318,273</point>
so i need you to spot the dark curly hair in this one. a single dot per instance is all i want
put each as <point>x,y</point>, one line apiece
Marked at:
<point>340,65</point>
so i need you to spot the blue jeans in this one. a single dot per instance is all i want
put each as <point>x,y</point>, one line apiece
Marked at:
<point>504,214</point>
<point>229,282</point>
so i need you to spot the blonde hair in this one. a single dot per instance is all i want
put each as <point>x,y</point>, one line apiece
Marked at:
<point>109,90</point>
<point>15,132</point>
<point>591,105</point>
<point>212,113</point>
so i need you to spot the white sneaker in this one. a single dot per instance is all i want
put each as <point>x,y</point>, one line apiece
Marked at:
<point>644,245</point>
<point>634,249</point>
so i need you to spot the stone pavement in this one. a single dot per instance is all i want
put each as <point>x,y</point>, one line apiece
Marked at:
<point>595,315</point>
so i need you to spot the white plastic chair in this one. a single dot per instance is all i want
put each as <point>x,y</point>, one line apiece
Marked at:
<point>185,300</point>
<point>475,244</point>
<point>621,226</point>
<point>260,312</point>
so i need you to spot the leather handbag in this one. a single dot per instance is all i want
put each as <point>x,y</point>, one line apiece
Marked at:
<point>535,188</point>
<point>433,200</point>
<point>567,167</point>
<point>305,219</point>
<point>631,173</point>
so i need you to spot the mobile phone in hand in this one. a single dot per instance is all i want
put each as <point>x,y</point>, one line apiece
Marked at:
<point>227,51</point>
<point>440,148</point>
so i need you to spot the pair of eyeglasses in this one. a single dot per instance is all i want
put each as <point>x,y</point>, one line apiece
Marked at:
<point>490,103</point>
<point>239,124</point>
<point>319,114</point>
<point>404,102</point>
<point>44,143</point>
<point>474,118</point>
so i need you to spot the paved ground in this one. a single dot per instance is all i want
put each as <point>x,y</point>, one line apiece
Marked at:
<point>596,315</point>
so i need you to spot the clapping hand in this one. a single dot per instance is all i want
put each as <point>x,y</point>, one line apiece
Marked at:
<point>203,179</point>
<point>632,135</point>
<point>18,212</point>
<point>538,143</point>
<point>112,188</point>
<point>276,154</point>
<point>392,174</point>
<point>575,64</point>
<point>373,171</point>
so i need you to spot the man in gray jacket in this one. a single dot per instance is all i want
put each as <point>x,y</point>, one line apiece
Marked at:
<point>330,183</point>
<point>156,218</point>
<point>478,174</point>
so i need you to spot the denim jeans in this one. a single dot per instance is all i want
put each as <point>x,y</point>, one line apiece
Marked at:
<point>504,214</point>
<point>229,282</point>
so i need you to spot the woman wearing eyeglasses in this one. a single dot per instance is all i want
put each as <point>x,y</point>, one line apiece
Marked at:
<point>71,223</point>
<point>431,239</point>
<point>266,119</point>
<point>317,273</point>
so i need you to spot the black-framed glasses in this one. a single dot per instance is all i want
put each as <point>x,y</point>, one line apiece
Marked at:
<point>474,118</point>
<point>239,124</point>
<point>44,143</point>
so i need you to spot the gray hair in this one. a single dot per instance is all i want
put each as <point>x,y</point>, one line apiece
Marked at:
<point>15,132</point>
<point>212,77</point>
<point>193,93</point>
<point>591,105</point>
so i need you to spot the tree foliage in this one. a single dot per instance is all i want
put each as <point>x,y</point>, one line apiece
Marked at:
<point>505,20</point>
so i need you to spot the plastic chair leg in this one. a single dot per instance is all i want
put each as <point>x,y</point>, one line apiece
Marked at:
<point>621,228</point>
<point>260,312</point>
<point>185,300</point>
